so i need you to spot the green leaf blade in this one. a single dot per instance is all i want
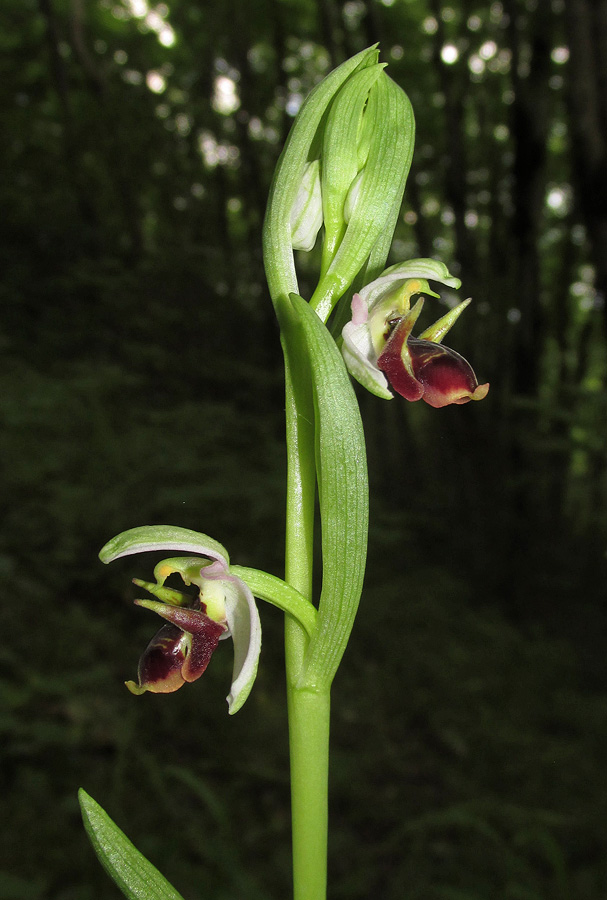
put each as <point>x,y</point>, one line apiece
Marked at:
<point>343,495</point>
<point>136,877</point>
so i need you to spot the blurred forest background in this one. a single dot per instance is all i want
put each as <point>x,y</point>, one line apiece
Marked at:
<point>141,382</point>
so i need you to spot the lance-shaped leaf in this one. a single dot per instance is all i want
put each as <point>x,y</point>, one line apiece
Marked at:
<point>136,877</point>
<point>343,495</point>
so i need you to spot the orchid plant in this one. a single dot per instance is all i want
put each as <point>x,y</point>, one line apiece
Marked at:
<point>340,179</point>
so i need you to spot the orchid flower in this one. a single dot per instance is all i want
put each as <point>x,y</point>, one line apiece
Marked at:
<point>380,352</point>
<point>222,607</point>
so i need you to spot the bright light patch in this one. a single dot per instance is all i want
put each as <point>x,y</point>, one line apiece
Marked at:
<point>496,12</point>
<point>137,8</point>
<point>560,55</point>
<point>557,199</point>
<point>431,207</point>
<point>449,54</point>
<point>293,104</point>
<point>430,25</point>
<point>155,82</point>
<point>487,50</point>
<point>225,95</point>
<point>153,18</point>
<point>214,153</point>
<point>183,124</point>
<point>166,36</point>
<point>476,64</point>
<point>132,76</point>
<point>209,149</point>
<point>353,12</point>
<point>255,127</point>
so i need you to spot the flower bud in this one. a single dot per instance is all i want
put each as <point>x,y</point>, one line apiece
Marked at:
<point>306,215</point>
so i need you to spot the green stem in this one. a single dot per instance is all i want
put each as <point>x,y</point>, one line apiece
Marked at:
<point>308,710</point>
<point>309,747</point>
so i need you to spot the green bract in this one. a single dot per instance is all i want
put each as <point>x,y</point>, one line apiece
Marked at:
<point>356,132</point>
<point>387,129</point>
<point>341,466</point>
<point>301,147</point>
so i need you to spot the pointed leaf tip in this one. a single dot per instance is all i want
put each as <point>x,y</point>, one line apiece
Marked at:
<point>136,877</point>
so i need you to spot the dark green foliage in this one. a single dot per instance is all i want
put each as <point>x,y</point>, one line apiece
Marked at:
<point>140,382</point>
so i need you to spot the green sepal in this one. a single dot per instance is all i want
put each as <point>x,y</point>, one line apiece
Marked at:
<point>136,877</point>
<point>162,537</point>
<point>341,467</point>
<point>277,592</point>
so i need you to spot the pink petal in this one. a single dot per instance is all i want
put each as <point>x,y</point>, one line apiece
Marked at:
<point>360,313</point>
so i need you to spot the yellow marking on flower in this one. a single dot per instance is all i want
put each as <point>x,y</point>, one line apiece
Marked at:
<point>213,595</point>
